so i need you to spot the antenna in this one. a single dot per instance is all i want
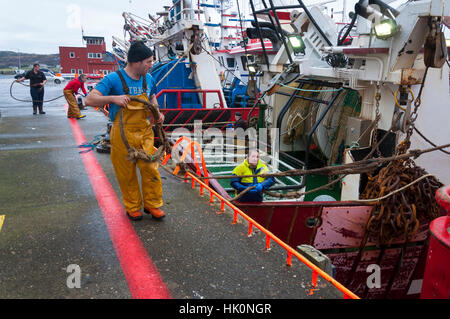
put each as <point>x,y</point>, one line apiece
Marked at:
<point>82,35</point>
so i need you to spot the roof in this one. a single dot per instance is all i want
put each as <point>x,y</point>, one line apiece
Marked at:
<point>92,37</point>
<point>107,58</point>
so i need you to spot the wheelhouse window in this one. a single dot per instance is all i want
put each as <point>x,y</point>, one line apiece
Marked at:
<point>230,62</point>
<point>244,62</point>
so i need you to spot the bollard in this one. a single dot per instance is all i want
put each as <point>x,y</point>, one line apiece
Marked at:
<point>436,280</point>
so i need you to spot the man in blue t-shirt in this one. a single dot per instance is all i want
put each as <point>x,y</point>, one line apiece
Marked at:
<point>115,90</point>
<point>111,88</point>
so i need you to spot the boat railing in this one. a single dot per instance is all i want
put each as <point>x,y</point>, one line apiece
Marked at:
<point>179,92</point>
<point>223,157</point>
<point>316,271</point>
<point>180,9</point>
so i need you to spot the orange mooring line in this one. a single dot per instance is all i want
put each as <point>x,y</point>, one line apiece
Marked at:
<point>316,271</point>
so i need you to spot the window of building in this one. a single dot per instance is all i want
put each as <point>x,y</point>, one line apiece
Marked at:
<point>94,41</point>
<point>105,72</point>
<point>94,55</point>
<point>80,71</point>
<point>72,55</point>
<point>73,71</point>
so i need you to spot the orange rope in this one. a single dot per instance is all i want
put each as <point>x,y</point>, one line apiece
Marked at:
<point>290,251</point>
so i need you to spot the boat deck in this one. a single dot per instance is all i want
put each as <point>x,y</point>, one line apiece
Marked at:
<point>221,159</point>
<point>55,216</point>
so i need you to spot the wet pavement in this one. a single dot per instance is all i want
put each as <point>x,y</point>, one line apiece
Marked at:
<point>53,220</point>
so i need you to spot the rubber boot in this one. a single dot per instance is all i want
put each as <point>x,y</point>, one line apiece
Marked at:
<point>156,213</point>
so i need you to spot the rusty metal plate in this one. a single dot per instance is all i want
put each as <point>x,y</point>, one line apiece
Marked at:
<point>402,278</point>
<point>412,76</point>
<point>342,227</point>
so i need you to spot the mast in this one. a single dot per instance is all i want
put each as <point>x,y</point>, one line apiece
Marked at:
<point>20,66</point>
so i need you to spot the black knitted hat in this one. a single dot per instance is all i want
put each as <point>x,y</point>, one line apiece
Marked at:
<point>139,51</point>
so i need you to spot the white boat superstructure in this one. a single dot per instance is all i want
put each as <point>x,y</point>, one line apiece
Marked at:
<point>385,70</point>
<point>177,34</point>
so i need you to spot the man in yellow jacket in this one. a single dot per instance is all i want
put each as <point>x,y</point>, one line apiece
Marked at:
<point>251,166</point>
<point>115,90</point>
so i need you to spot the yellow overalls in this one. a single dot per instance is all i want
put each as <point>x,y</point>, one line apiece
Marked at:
<point>139,133</point>
<point>73,110</point>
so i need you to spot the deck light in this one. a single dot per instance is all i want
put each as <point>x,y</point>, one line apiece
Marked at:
<point>252,68</point>
<point>386,29</point>
<point>297,43</point>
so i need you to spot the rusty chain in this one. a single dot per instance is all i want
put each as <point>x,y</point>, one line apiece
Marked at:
<point>400,215</point>
<point>377,116</point>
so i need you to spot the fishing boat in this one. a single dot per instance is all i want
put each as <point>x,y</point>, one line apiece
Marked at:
<point>332,96</point>
<point>329,105</point>
<point>188,84</point>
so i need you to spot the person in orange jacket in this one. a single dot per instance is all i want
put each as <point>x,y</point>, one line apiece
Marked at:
<point>69,93</point>
<point>115,89</point>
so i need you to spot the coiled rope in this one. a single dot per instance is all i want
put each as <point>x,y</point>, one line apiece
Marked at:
<point>135,154</point>
<point>92,144</point>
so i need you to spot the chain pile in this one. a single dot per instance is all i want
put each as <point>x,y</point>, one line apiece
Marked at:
<point>399,216</point>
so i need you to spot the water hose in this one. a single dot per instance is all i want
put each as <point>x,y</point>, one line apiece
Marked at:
<point>32,101</point>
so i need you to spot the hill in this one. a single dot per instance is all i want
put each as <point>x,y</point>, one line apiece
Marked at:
<point>11,58</point>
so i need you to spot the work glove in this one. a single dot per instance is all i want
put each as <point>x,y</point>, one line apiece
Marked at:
<point>259,188</point>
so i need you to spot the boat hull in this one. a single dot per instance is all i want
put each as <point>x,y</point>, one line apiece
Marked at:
<point>337,229</point>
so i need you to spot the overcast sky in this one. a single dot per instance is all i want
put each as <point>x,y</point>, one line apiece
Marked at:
<point>42,26</point>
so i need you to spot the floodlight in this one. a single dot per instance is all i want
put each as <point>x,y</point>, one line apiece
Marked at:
<point>252,68</point>
<point>386,29</point>
<point>297,43</point>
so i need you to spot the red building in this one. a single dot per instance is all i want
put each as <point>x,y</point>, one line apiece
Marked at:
<point>91,59</point>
